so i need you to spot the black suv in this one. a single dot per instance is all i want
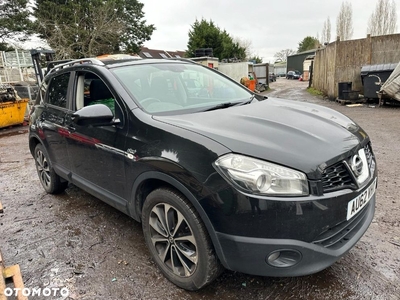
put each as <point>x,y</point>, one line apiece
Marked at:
<point>219,178</point>
<point>293,75</point>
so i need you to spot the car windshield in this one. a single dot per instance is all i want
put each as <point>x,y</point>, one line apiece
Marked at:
<point>175,88</point>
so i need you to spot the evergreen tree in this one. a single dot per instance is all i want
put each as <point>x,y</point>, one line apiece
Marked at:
<point>206,34</point>
<point>14,21</point>
<point>136,31</point>
<point>256,59</point>
<point>6,47</point>
<point>308,43</point>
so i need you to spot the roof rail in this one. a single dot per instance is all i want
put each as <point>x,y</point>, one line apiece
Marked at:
<point>93,61</point>
<point>182,59</point>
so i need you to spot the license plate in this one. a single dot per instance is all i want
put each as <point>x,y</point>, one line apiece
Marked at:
<point>357,204</point>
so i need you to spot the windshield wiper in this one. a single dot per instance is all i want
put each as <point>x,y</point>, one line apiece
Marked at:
<point>254,96</point>
<point>230,104</point>
<point>223,105</point>
<point>248,101</point>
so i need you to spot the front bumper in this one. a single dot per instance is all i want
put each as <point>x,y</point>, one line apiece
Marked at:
<point>250,254</point>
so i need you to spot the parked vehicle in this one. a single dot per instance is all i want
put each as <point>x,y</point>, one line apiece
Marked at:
<point>219,178</point>
<point>293,75</point>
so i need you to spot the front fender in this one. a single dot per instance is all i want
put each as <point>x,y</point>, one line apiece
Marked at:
<point>135,205</point>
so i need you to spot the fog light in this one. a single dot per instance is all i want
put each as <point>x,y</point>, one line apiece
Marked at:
<point>284,258</point>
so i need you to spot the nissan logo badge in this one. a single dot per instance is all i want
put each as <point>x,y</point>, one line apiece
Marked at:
<point>357,165</point>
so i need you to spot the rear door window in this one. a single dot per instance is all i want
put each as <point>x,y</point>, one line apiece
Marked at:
<point>57,90</point>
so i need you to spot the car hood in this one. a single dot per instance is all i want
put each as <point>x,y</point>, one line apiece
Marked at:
<point>300,135</point>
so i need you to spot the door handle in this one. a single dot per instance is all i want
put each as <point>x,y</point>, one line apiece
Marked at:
<point>71,128</point>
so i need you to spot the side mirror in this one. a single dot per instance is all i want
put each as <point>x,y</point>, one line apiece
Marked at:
<point>95,115</point>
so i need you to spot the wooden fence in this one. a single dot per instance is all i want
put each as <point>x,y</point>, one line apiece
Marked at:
<point>341,61</point>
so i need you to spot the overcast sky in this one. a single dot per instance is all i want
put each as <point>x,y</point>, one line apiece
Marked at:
<point>269,25</point>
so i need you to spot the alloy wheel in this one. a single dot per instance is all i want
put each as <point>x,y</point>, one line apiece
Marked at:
<point>43,168</point>
<point>173,239</point>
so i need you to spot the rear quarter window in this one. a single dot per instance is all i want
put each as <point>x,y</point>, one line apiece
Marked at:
<point>42,92</point>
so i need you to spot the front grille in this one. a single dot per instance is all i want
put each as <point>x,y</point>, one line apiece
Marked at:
<point>337,236</point>
<point>336,177</point>
<point>369,155</point>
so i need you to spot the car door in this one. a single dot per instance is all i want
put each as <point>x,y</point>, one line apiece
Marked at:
<point>56,106</point>
<point>97,152</point>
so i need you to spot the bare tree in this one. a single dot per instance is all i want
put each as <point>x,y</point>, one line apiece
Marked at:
<point>344,21</point>
<point>86,28</point>
<point>326,32</point>
<point>67,40</point>
<point>384,19</point>
<point>283,54</point>
<point>244,43</point>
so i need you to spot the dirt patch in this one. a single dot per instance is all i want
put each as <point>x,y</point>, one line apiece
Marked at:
<point>76,241</point>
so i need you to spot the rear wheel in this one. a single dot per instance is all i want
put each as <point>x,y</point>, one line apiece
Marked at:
<point>178,241</point>
<point>50,181</point>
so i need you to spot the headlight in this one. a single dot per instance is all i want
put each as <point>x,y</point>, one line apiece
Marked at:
<point>258,177</point>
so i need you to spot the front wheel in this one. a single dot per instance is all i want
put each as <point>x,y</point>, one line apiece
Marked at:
<point>51,182</point>
<point>178,241</point>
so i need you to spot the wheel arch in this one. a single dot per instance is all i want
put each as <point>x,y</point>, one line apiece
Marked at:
<point>151,180</point>
<point>33,142</point>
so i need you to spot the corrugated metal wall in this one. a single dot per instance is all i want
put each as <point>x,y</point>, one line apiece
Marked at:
<point>262,72</point>
<point>295,61</point>
<point>235,70</point>
<point>342,61</point>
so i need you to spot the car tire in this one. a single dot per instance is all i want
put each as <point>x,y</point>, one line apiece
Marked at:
<point>51,182</point>
<point>184,254</point>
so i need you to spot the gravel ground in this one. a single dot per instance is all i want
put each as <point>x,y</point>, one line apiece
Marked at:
<point>74,240</point>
